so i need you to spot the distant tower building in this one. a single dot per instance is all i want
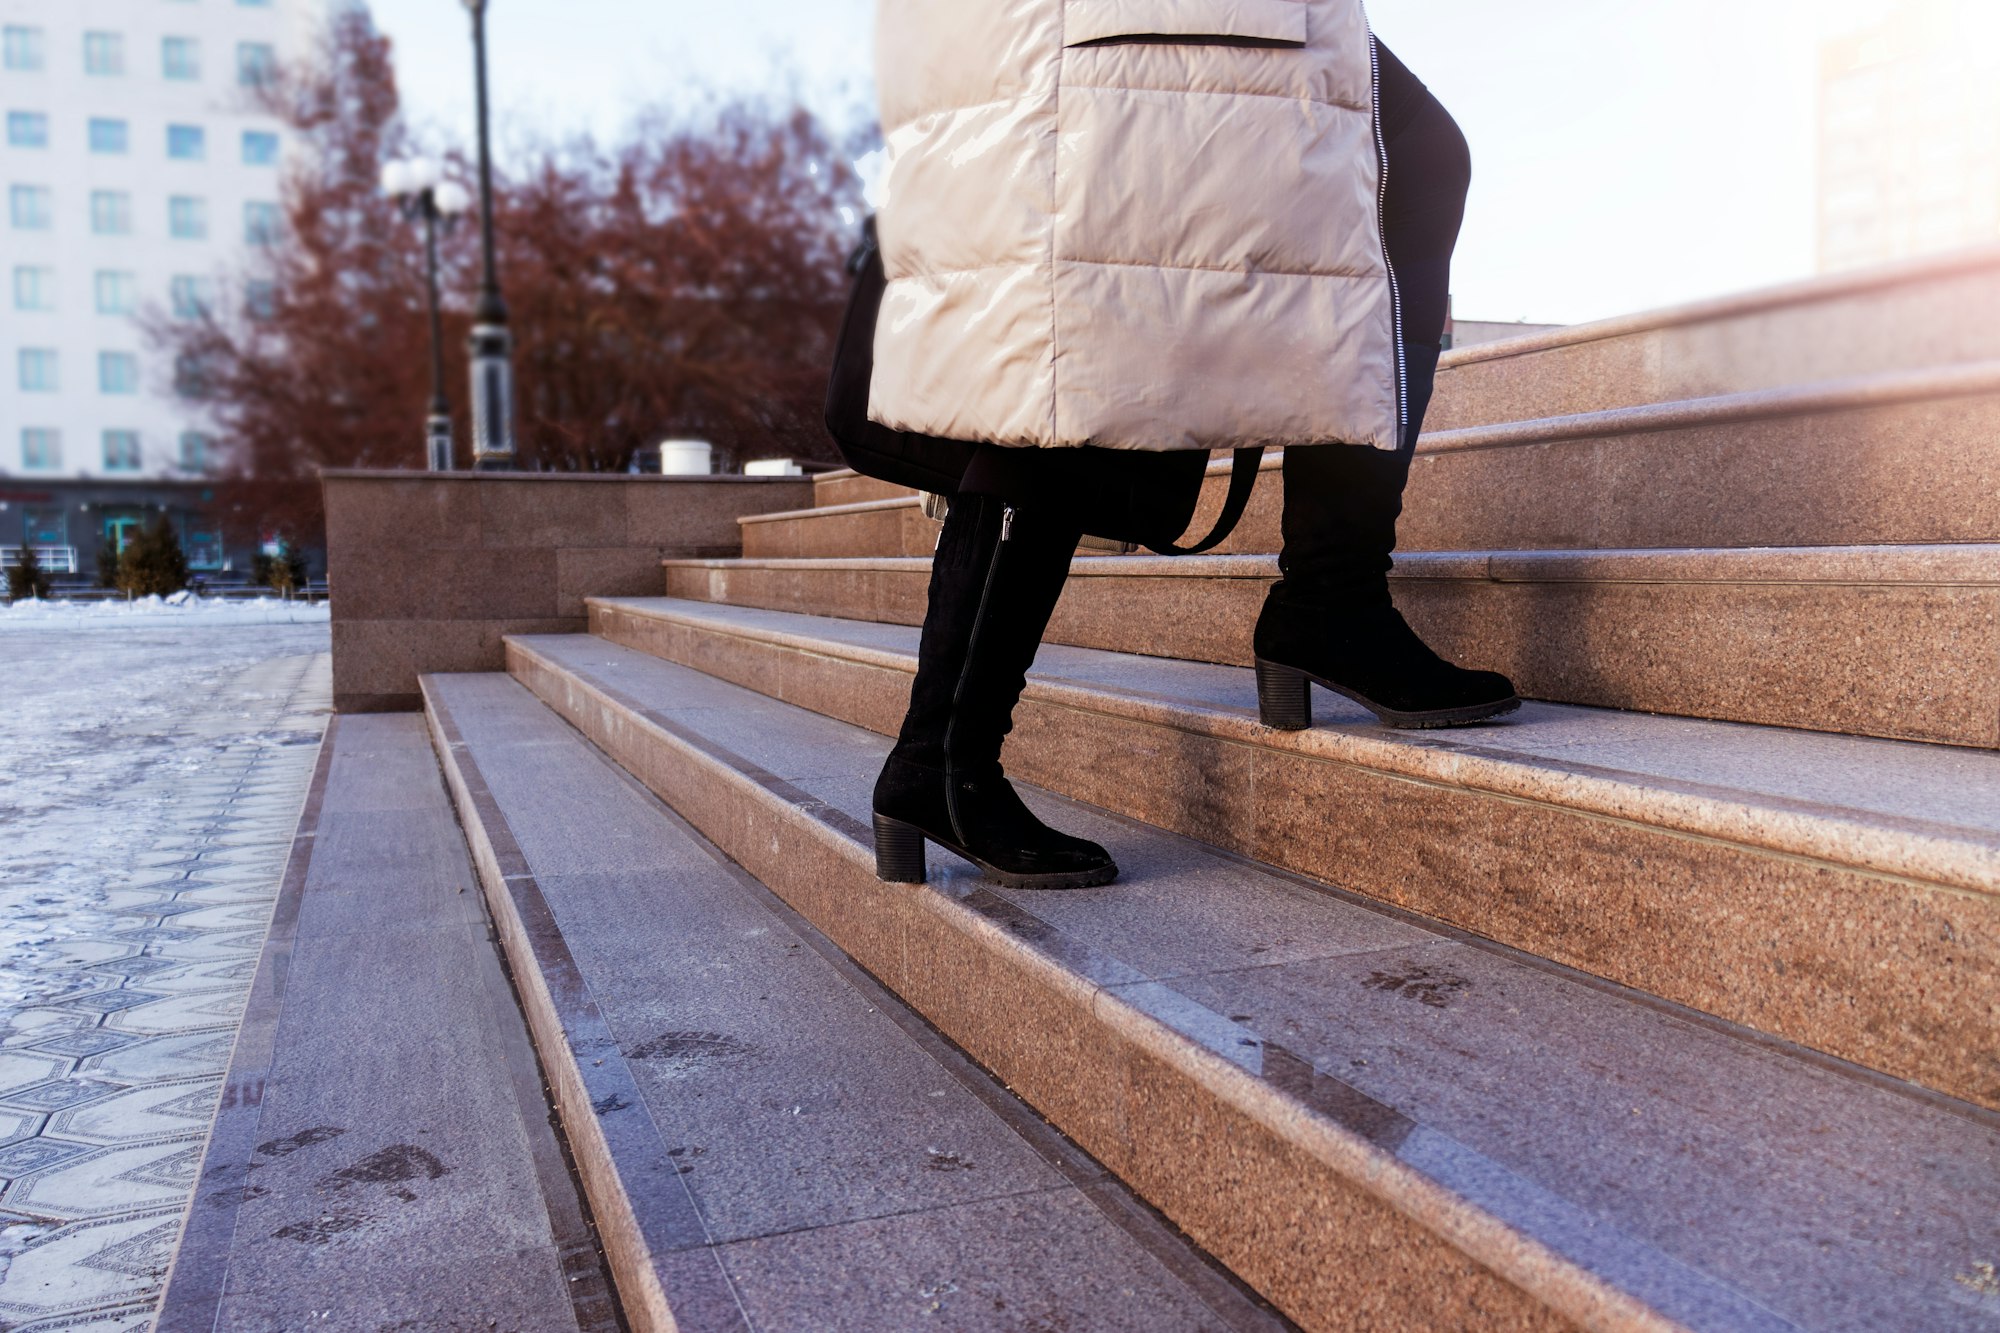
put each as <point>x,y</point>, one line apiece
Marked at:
<point>138,174</point>
<point>1909,125</point>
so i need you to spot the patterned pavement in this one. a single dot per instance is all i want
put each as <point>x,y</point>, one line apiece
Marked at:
<point>136,897</point>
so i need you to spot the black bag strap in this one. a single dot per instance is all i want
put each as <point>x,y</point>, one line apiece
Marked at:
<point>1242,481</point>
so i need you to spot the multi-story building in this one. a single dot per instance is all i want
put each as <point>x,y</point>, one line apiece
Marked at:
<point>139,175</point>
<point>1910,134</point>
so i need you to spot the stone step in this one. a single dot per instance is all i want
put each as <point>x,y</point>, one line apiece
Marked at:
<point>1375,1121</point>
<point>1930,312</point>
<point>846,486</point>
<point>382,1155</point>
<point>892,526</point>
<point>1837,892</point>
<point>772,1141</point>
<point>1892,641</point>
<point>1904,457</point>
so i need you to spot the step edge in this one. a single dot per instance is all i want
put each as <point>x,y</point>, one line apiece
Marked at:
<point>833,511</point>
<point>1896,388</point>
<point>1937,861</point>
<point>505,877</point>
<point>1522,1260</point>
<point>1912,564</point>
<point>1804,291</point>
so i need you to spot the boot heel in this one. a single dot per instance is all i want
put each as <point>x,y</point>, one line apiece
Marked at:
<point>1284,697</point>
<point>899,852</point>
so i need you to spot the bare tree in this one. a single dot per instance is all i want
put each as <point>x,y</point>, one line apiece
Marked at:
<point>685,281</point>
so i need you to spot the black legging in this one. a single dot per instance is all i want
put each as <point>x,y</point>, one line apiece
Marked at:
<point>1342,500</point>
<point>1430,170</point>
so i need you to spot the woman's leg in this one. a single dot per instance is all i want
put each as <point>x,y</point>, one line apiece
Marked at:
<point>998,571</point>
<point>1330,616</point>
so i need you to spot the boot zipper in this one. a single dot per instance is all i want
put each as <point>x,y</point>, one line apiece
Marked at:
<point>965,673</point>
<point>1382,230</point>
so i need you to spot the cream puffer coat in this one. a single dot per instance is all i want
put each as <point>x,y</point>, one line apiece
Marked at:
<point>1144,224</point>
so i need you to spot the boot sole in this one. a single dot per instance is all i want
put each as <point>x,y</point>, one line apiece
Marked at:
<point>1284,703</point>
<point>899,859</point>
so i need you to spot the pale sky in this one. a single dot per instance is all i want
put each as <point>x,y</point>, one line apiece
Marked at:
<point>1627,154</point>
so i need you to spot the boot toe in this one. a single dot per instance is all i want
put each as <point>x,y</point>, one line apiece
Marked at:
<point>1066,856</point>
<point>1488,687</point>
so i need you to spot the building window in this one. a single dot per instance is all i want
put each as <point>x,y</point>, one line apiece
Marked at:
<point>256,62</point>
<point>262,224</point>
<point>254,4</point>
<point>41,450</point>
<point>109,136</point>
<point>27,129</point>
<point>195,450</point>
<point>30,207</point>
<point>260,148</point>
<point>187,218</point>
<point>117,293</point>
<point>186,143</point>
<point>34,287</point>
<point>103,53</point>
<point>45,525</point>
<point>203,546</point>
<point>190,376</point>
<point>38,370</point>
<point>193,297</point>
<point>180,58</point>
<point>111,212</point>
<point>260,298</point>
<point>24,49</point>
<point>121,451</point>
<point>117,372</point>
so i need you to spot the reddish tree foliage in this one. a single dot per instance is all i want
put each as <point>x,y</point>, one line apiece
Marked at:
<point>685,283</point>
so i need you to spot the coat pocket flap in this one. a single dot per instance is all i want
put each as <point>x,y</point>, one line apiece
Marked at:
<point>1278,22</point>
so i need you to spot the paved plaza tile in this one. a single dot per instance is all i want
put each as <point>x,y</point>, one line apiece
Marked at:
<point>131,917</point>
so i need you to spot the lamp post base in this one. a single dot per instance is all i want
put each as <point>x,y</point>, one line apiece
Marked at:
<point>437,442</point>
<point>492,398</point>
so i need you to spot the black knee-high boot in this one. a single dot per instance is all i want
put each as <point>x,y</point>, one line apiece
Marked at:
<point>1329,619</point>
<point>994,583</point>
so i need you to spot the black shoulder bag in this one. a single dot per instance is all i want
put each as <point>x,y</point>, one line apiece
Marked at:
<point>1140,497</point>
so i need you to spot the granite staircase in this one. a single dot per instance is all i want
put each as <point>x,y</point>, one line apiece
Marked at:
<point>1781,508</point>
<point>1671,1002</point>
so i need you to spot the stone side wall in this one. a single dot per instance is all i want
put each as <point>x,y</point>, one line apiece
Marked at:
<point>429,570</point>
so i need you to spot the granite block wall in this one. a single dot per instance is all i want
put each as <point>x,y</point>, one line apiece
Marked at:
<point>430,570</point>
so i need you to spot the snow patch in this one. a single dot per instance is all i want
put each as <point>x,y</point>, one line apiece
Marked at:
<point>182,608</point>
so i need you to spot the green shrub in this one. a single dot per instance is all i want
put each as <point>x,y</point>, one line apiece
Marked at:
<point>27,579</point>
<point>153,564</point>
<point>107,564</point>
<point>283,573</point>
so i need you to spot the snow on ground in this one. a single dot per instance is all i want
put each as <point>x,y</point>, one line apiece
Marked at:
<point>181,609</point>
<point>90,722</point>
<point>153,759</point>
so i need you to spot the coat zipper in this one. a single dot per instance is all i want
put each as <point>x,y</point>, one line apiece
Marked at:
<point>1382,230</point>
<point>965,673</point>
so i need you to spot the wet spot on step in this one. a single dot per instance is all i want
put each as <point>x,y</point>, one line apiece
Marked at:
<point>946,1161</point>
<point>305,1138</point>
<point>684,1052</point>
<point>391,1166</point>
<point>607,1104</point>
<point>320,1230</point>
<point>1423,984</point>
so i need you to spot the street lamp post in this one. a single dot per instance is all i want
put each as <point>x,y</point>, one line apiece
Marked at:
<point>492,344</point>
<point>437,204</point>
